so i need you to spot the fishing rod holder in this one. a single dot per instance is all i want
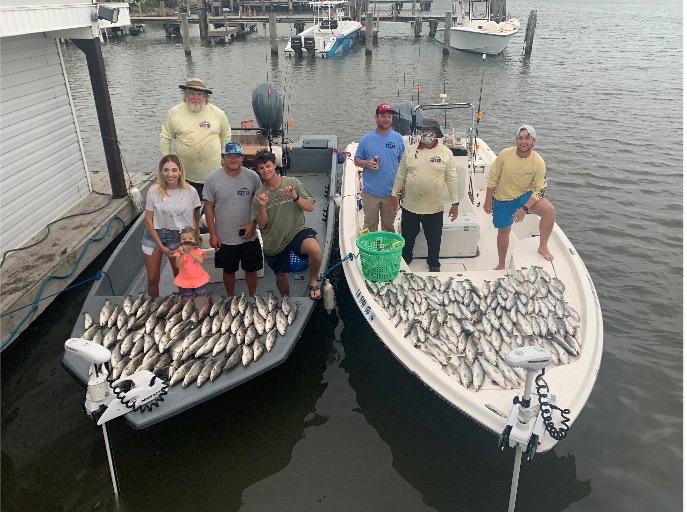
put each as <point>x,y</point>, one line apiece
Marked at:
<point>525,425</point>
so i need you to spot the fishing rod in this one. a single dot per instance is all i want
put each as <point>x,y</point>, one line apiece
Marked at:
<point>479,104</point>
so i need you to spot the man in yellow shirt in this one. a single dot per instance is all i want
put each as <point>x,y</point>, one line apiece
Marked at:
<point>517,183</point>
<point>199,131</point>
<point>425,169</point>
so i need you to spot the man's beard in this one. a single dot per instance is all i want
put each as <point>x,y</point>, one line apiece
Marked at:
<point>195,107</point>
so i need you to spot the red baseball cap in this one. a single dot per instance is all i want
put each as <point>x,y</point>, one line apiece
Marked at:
<point>386,108</point>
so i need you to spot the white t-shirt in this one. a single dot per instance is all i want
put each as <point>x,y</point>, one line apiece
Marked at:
<point>173,211</point>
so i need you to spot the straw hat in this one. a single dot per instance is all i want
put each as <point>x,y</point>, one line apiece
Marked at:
<point>195,84</point>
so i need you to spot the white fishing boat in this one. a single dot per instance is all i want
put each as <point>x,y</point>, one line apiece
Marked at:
<point>469,302</point>
<point>310,159</point>
<point>474,30</point>
<point>330,33</point>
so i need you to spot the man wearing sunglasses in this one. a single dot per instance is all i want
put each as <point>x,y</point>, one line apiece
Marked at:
<point>515,188</point>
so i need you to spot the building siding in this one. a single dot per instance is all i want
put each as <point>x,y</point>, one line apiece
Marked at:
<point>42,170</point>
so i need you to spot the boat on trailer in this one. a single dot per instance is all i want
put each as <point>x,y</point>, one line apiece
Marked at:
<point>330,33</point>
<point>475,31</point>
<point>310,159</point>
<point>456,326</point>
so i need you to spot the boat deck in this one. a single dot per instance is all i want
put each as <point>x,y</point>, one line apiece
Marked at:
<point>50,265</point>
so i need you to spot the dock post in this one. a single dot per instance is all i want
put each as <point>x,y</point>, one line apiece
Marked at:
<point>447,32</point>
<point>262,6</point>
<point>184,33</point>
<point>103,107</point>
<point>162,8</point>
<point>274,50</point>
<point>368,33</point>
<point>529,33</point>
<point>203,20</point>
<point>414,2</point>
<point>433,28</point>
<point>418,26</point>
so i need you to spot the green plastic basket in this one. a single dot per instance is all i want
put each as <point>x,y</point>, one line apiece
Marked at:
<point>380,255</point>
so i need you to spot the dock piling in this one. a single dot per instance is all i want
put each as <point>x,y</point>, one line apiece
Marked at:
<point>417,26</point>
<point>433,28</point>
<point>184,33</point>
<point>368,33</point>
<point>447,32</point>
<point>274,49</point>
<point>203,21</point>
<point>529,33</point>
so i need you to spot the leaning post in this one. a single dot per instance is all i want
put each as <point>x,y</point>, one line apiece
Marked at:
<point>529,33</point>
<point>274,50</point>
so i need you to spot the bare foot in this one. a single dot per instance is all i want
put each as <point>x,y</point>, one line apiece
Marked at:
<point>544,251</point>
<point>500,267</point>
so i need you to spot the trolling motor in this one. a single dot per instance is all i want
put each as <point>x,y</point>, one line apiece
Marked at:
<point>104,401</point>
<point>527,423</point>
<point>141,390</point>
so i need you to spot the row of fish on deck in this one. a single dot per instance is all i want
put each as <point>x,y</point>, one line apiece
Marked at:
<point>469,330</point>
<point>168,335</point>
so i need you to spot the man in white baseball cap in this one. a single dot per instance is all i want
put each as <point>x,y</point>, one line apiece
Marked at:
<point>516,188</point>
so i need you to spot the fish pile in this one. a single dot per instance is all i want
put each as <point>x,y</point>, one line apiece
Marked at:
<point>169,336</point>
<point>469,330</point>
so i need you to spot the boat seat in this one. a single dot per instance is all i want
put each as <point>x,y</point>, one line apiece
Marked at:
<point>525,254</point>
<point>459,238</point>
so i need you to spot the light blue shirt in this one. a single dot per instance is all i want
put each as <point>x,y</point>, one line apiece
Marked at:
<point>389,147</point>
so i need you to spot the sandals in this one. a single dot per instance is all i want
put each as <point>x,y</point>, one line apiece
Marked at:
<point>312,289</point>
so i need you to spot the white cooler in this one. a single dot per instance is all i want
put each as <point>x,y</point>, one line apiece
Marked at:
<point>459,238</point>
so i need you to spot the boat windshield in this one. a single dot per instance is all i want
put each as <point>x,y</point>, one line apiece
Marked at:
<point>479,10</point>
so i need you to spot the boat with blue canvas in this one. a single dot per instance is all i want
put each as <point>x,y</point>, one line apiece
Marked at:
<point>331,32</point>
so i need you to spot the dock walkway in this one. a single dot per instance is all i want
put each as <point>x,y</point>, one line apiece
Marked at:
<point>71,244</point>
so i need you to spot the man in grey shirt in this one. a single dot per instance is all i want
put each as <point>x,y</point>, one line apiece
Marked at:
<point>228,194</point>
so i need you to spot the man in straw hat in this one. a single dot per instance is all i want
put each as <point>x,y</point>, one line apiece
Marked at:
<point>199,130</point>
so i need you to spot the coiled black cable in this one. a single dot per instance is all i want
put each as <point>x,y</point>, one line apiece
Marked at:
<point>545,408</point>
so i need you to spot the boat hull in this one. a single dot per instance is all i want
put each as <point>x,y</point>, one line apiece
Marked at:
<point>478,41</point>
<point>314,163</point>
<point>325,43</point>
<point>572,383</point>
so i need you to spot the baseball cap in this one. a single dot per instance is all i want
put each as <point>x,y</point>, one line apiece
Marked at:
<point>385,108</point>
<point>429,123</point>
<point>231,147</point>
<point>530,130</point>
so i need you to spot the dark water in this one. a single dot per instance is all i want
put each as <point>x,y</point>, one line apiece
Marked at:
<point>342,425</point>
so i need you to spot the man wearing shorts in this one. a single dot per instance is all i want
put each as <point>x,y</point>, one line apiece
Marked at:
<point>517,183</point>
<point>278,209</point>
<point>228,194</point>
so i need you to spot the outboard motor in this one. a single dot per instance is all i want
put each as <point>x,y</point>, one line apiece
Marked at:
<point>403,122</point>
<point>267,108</point>
<point>297,45</point>
<point>309,45</point>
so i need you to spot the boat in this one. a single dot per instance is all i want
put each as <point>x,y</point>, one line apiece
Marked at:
<point>468,257</point>
<point>330,33</point>
<point>312,160</point>
<point>474,30</point>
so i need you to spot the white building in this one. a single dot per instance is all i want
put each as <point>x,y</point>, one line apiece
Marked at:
<point>43,169</point>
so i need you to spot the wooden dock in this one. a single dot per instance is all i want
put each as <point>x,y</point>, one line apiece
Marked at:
<point>54,263</point>
<point>284,18</point>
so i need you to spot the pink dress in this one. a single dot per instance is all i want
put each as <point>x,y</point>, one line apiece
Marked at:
<point>191,273</point>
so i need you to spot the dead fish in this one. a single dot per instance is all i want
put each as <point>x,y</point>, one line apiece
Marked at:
<point>272,302</point>
<point>217,368</point>
<point>90,332</point>
<point>271,339</point>
<point>180,373</point>
<point>234,358</point>
<point>110,337</point>
<point>247,356</point>
<point>188,309</point>
<point>164,309</point>
<point>232,344</point>
<point>282,323</point>
<point>137,304</point>
<point>127,304</point>
<point>292,315</point>
<point>261,306</point>
<point>106,312</point>
<point>204,374</point>
<point>258,349</point>
<point>193,373</point>
<point>88,321</point>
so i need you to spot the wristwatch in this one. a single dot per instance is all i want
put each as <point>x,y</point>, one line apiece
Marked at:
<point>527,210</point>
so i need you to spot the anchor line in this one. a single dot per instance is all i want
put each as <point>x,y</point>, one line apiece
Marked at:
<point>34,304</point>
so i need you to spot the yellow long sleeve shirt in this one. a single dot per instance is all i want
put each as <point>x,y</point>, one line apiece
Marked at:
<point>424,172</point>
<point>198,139</point>
<point>512,176</point>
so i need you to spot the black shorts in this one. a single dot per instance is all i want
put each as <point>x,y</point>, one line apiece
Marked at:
<point>281,263</point>
<point>248,255</point>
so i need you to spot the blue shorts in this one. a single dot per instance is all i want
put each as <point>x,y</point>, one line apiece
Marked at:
<point>502,211</point>
<point>281,263</point>
<point>190,291</point>
<point>169,238</point>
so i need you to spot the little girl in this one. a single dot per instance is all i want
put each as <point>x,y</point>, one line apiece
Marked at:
<point>192,278</point>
